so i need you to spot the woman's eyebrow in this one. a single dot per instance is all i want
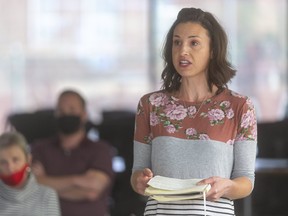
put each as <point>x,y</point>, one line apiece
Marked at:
<point>191,36</point>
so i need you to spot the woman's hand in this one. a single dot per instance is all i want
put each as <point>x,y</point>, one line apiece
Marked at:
<point>139,180</point>
<point>219,187</point>
<point>232,189</point>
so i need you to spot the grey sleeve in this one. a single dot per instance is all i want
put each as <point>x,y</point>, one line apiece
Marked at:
<point>142,156</point>
<point>244,160</point>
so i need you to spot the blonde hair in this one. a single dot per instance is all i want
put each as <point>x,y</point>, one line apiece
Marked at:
<point>9,139</point>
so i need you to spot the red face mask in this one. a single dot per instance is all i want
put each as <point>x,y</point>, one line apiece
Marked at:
<point>15,178</point>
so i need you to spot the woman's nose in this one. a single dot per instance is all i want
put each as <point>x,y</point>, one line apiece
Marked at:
<point>184,50</point>
<point>11,168</point>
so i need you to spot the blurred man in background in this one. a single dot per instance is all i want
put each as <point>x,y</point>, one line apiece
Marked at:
<point>79,169</point>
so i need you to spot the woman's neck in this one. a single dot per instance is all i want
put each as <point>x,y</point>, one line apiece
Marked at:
<point>195,93</point>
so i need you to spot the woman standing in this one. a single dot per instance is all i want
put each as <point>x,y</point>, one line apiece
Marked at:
<point>195,127</point>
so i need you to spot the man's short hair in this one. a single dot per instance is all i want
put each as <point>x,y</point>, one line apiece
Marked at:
<point>75,93</point>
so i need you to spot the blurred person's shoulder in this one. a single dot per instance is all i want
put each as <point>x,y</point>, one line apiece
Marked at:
<point>98,144</point>
<point>44,142</point>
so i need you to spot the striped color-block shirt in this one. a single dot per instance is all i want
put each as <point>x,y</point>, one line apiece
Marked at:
<point>32,200</point>
<point>182,139</point>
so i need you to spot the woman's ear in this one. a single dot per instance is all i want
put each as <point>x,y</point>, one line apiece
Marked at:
<point>29,159</point>
<point>211,54</point>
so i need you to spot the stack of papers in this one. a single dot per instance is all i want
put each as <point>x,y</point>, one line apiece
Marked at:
<point>172,189</point>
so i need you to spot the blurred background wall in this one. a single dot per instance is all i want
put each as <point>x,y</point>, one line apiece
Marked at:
<point>111,51</point>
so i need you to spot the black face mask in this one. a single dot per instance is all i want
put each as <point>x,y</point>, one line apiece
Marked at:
<point>68,124</point>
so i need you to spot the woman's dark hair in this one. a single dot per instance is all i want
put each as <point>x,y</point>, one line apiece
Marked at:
<point>220,71</point>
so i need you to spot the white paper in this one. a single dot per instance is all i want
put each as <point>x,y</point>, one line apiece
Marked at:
<point>166,183</point>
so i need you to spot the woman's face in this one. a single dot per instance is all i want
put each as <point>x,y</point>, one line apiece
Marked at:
<point>191,51</point>
<point>12,159</point>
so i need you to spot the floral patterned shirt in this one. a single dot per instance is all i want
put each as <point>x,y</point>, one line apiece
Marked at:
<point>228,111</point>
<point>182,139</point>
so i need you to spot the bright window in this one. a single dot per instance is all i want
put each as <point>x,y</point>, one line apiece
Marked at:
<point>111,51</point>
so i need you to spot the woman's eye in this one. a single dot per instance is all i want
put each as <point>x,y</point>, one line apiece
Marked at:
<point>194,43</point>
<point>177,42</point>
<point>15,160</point>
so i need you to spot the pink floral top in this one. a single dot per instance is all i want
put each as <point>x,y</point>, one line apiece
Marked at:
<point>169,116</point>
